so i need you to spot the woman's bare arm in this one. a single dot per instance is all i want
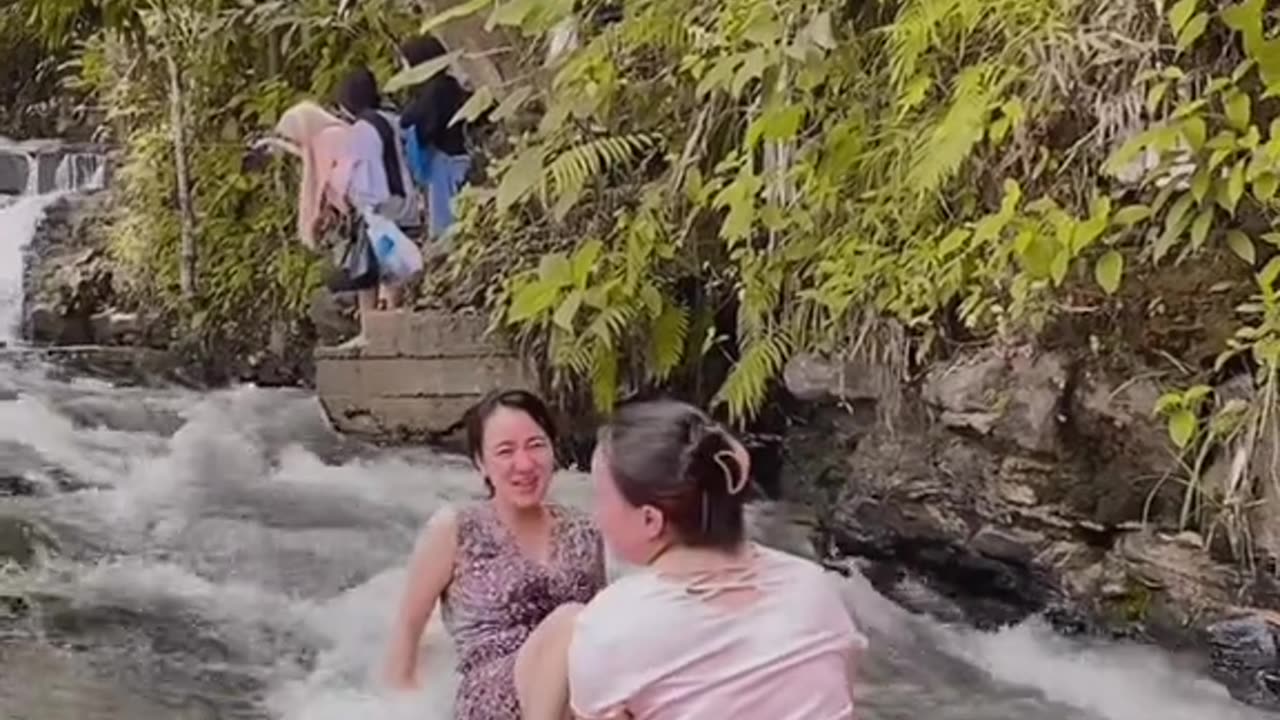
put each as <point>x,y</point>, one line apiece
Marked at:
<point>277,143</point>
<point>430,570</point>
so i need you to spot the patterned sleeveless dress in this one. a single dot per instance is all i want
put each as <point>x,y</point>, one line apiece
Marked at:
<point>498,595</point>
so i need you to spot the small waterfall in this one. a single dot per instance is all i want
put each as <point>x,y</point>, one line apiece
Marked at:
<point>79,171</point>
<point>18,223</point>
<point>35,167</point>
<point>33,175</point>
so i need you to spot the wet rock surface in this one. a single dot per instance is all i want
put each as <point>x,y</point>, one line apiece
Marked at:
<point>1013,483</point>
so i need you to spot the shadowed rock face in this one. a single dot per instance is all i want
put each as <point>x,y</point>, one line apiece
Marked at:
<point>1246,658</point>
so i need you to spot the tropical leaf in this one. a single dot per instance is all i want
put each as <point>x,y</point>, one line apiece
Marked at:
<point>668,336</point>
<point>746,388</point>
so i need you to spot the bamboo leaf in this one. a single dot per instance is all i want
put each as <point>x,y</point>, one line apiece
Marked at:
<point>1131,215</point>
<point>1155,95</point>
<point>419,74</point>
<point>510,13</point>
<point>531,300</point>
<point>1264,188</point>
<point>1270,271</point>
<point>512,103</point>
<point>1235,187</point>
<point>1194,130</point>
<point>1061,264</point>
<point>482,99</point>
<point>1200,228</point>
<point>1238,108</point>
<point>819,31</point>
<point>584,261</point>
<point>568,310</point>
<point>1242,246</point>
<point>1193,30</point>
<point>456,12</point>
<point>1108,270</point>
<point>1181,13</point>
<point>1201,183</point>
<point>521,177</point>
<point>555,270</point>
<point>1182,426</point>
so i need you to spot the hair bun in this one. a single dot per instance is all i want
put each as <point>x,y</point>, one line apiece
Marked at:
<point>714,461</point>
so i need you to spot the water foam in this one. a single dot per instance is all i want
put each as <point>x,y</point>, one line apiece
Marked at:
<point>236,519</point>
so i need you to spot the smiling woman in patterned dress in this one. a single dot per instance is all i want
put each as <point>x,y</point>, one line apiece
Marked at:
<point>510,573</point>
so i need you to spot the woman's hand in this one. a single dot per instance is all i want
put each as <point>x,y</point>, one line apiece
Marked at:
<point>401,682</point>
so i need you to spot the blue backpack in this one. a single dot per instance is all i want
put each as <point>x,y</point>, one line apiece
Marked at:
<point>417,157</point>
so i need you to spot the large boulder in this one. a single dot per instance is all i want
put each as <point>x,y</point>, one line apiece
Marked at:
<point>15,168</point>
<point>1013,397</point>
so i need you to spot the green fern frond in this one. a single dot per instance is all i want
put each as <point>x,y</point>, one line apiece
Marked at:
<point>747,386</point>
<point>914,32</point>
<point>570,353</point>
<point>960,129</point>
<point>642,236</point>
<point>667,340</point>
<point>612,324</point>
<point>662,27</point>
<point>761,293</point>
<point>572,168</point>
<point>604,377</point>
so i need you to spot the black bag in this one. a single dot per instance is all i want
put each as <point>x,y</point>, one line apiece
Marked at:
<point>359,268</point>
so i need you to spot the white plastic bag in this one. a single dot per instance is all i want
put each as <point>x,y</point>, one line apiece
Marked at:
<point>399,259</point>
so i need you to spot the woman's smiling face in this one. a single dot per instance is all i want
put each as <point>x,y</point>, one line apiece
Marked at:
<point>517,458</point>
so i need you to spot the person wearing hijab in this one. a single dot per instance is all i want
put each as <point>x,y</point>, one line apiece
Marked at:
<point>341,171</point>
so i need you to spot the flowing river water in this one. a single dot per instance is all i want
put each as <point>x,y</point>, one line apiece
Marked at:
<point>226,556</point>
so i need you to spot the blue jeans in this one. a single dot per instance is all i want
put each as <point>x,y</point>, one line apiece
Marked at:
<point>446,177</point>
<point>442,175</point>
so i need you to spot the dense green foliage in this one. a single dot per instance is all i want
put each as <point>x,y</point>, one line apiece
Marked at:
<point>828,170</point>
<point>240,65</point>
<point>823,169</point>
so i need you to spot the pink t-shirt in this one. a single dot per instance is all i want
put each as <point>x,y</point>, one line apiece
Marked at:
<point>647,648</point>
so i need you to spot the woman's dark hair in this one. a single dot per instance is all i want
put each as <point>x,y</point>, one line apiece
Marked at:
<point>420,49</point>
<point>522,400</point>
<point>358,91</point>
<point>672,456</point>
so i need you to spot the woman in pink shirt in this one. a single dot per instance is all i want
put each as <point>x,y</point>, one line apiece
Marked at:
<point>713,626</point>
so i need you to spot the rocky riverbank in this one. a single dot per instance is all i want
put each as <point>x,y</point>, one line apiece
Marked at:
<point>81,308</point>
<point>1013,482</point>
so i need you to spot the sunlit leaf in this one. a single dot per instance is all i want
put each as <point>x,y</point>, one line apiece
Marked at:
<point>1108,270</point>
<point>521,177</point>
<point>456,12</point>
<point>1182,426</point>
<point>1241,245</point>
<point>421,73</point>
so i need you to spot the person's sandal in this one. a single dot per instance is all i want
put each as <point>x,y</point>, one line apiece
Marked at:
<point>359,342</point>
